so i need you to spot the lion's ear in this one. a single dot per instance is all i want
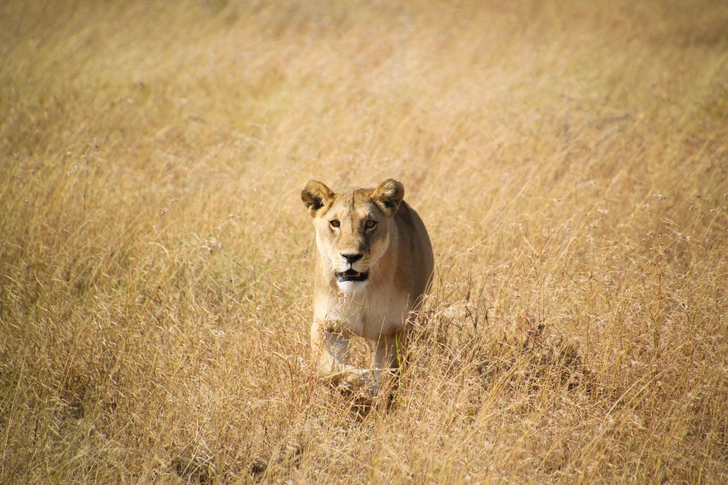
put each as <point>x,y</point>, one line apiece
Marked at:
<point>315,195</point>
<point>388,195</point>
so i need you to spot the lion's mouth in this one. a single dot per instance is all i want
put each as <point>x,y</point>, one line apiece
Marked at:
<point>351,275</point>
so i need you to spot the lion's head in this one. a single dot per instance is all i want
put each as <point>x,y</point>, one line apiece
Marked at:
<point>353,226</point>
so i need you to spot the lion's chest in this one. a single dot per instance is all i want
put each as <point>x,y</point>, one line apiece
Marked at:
<point>368,313</point>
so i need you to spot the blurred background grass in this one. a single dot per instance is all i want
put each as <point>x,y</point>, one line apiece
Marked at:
<point>568,158</point>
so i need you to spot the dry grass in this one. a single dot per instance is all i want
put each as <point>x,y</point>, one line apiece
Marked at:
<point>569,158</point>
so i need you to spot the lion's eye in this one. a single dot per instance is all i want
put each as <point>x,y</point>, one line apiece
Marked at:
<point>370,224</point>
<point>334,223</point>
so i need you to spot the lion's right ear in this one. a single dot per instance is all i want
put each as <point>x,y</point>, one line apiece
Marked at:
<point>315,195</point>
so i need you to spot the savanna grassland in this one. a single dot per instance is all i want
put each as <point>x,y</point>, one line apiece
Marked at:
<point>569,158</point>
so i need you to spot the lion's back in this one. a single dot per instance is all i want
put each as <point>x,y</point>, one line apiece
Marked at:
<point>416,259</point>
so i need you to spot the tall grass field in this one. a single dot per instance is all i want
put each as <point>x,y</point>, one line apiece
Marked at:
<point>569,159</point>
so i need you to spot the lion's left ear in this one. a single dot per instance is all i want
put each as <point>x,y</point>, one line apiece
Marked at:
<point>388,195</point>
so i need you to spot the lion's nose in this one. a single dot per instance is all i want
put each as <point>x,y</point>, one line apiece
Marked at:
<point>351,258</point>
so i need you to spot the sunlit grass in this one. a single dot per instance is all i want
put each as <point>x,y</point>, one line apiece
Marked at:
<point>569,160</point>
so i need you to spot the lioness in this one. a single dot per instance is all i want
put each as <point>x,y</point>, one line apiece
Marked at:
<point>373,265</point>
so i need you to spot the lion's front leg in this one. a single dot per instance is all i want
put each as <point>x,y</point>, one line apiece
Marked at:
<point>330,346</point>
<point>387,352</point>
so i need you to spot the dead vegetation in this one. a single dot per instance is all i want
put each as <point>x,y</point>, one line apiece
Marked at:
<point>570,161</point>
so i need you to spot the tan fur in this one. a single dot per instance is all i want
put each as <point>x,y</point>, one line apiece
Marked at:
<point>397,255</point>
